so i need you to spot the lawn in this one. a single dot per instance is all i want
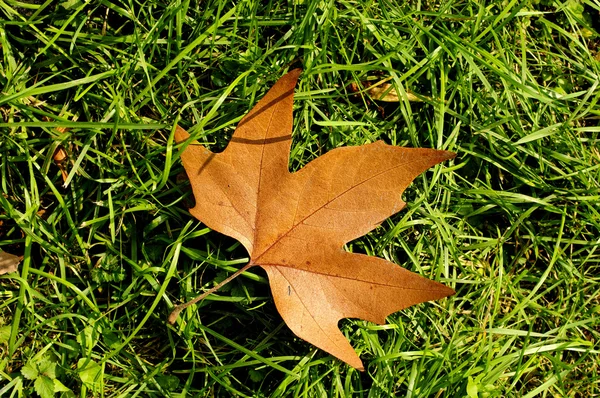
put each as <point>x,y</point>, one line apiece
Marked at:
<point>95,200</point>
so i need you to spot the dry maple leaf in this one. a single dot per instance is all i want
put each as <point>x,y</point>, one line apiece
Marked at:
<point>294,225</point>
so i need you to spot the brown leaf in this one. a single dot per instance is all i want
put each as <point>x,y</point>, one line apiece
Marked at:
<point>8,263</point>
<point>294,225</point>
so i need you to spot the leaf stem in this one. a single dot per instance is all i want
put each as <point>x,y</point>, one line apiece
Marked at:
<point>175,313</point>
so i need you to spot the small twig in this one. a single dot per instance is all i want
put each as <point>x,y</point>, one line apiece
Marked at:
<point>175,313</point>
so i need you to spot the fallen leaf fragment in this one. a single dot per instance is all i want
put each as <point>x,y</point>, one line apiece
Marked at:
<point>387,93</point>
<point>383,91</point>
<point>60,158</point>
<point>8,263</point>
<point>294,225</point>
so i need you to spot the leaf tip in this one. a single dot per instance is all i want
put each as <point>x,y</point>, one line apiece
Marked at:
<point>295,72</point>
<point>291,78</point>
<point>448,291</point>
<point>354,361</point>
<point>440,290</point>
<point>181,134</point>
<point>447,155</point>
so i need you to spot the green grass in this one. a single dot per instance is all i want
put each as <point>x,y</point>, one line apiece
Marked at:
<point>513,223</point>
